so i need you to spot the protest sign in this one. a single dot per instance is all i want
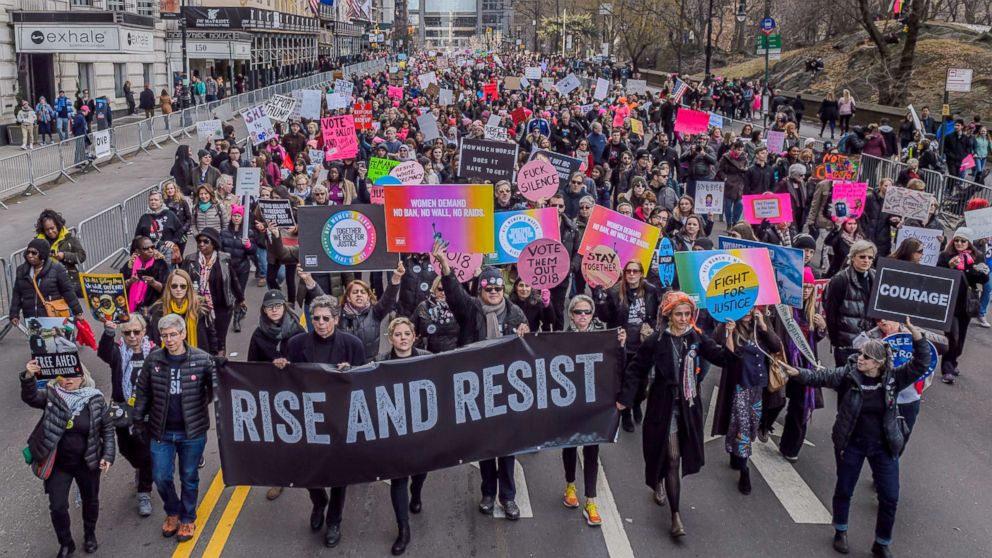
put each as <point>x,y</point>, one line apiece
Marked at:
<point>631,239</point>
<point>689,121</point>
<point>426,79</point>
<point>636,127</point>
<point>377,192</point>
<point>524,84</point>
<point>379,167</point>
<point>496,133</point>
<point>344,88</point>
<point>280,107</point>
<point>446,97</point>
<point>567,84</point>
<point>336,101</point>
<point>278,212</point>
<point>697,269</point>
<point>564,165</point>
<point>602,89</point>
<point>848,200</point>
<point>980,221</point>
<point>460,215</point>
<point>106,295</point>
<point>547,83</point>
<point>532,72</point>
<point>408,172</point>
<point>258,124</point>
<point>666,262</point>
<point>709,197</point>
<point>343,238</point>
<point>394,92</point>
<point>902,352</point>
<point>487,160</point>
<point>310,104</point>
<point>544,263</point>
<point>774,208</point>
<point>601,267</point>
<point>363,116</point>
<point>968,162</point>
<point>248,183</point>
<point>537,180</point>
<point>637,86</point>
<point>716,121</point>
<point>518,115</point>
<point>340,141</point>
<point>53,347</point>
<point>415,415</point>
<point>786,261</point>
<point>209,130</point>
<point>464,266</point>
<point>316,156</point>
<point>428,125</point>
<point>929,237</point>
<point>223,112</point>
<point>911,204</point>
<point>821,289</point>
<point>512,83</point>
<point>775,139</point>
<point>490,92</point>
<point>836,167</point>
<point>432,90</point>
<point>515,229</point>
<point>294,114</point>
<point>928,295</point>
<point>732,292</point>
<point>795,332</point>
<point>917,123</point>
<point>101,144</point>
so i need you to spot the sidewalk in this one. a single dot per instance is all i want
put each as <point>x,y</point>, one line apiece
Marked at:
<point>15,148</point>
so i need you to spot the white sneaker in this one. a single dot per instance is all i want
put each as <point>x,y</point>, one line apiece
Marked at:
<point>982,322</point>
<point>24,147</point>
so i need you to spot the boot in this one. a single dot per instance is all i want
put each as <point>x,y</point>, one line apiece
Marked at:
<point>678,529</point>
<point>66,550</point>
<point>879,550</point>
<point>744,484</point>
<point>402,539</point>
<point>638,414</point>
<point>659,494</point>
<point>627,420</point>
<point>735,463</point>
<point>840,542</point>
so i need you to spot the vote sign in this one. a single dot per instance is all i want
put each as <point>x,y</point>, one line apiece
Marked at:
<point>732,292</point>
<point>927,295</point>
<point>544,263</point>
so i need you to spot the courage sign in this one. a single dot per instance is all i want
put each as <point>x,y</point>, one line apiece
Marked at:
<point>925,294</point>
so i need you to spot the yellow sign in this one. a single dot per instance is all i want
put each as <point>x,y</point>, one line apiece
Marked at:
<point>945,110</point>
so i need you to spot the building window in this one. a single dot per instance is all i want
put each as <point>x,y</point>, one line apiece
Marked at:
<point>146,7</point>
<point>112,5</point>
<point>120,76</point>
<point>88,3</point>
<point>148,73</point>
<point>87,80</point>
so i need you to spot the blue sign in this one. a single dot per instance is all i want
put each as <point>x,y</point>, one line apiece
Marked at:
<point>902,351</point>
<point>666,262</point>
<point>388,181</point>
<point>767,25</point>
<point>787,263</point>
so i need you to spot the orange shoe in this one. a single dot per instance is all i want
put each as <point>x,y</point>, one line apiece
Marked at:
<point>592,514</point>
<point>171,525</point>
<point>186,531</point>
<point>571,500</point>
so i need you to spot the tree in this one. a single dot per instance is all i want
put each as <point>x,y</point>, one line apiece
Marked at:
<point>579,26</point>
<point>896,64</point>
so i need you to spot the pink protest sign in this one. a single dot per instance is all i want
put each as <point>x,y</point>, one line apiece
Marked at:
<point>774,208</point>
<point>538,180</point>
<point>544,263</point>
<point>464,266</point>
<point>849,200</point>
<point>395,93</point>
<point>408,172</point>
<point>340,140</point>
<point>630,238</point>
<point>968,162</point>
<point>692,121</point>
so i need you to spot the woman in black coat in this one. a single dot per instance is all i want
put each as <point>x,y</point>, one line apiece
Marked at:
<point>277,323</point>
<point>77,435</point>
<point>242,252</point>
<point>434,322</point>
<point>537,308</point>
<point>673,421</point>
<point>50,280</point>
<point>66,247</point>
<point>145,274</point>
<point>183,168</point>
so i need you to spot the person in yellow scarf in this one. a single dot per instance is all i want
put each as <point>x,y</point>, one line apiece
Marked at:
<point>179,298</point>
<point>66,248</point>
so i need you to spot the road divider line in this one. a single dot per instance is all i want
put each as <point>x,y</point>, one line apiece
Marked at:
<point>523,495</point>
<point>617,543</point>
<point>710,413</point>
<point>226,523</point>
<point>789,487</point>
<point>203,512</point>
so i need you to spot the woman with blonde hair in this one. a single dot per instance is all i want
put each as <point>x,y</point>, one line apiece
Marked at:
<point>845,110</point>
<point>179,298</point>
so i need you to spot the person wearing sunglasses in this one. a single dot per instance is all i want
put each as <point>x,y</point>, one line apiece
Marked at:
<point>38,280</point>
<point>867,428</point>
<point>179,298</point>
<point>145,273</point>
<point>845,302</point>
<point>962,256</point>
<point>125,358</point>
<point>326,344</point>
<point>490,315</point>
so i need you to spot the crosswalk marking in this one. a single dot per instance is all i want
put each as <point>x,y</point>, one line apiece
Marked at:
<point>796,496</point>
<point>523,495</point>
<point>617,543</point>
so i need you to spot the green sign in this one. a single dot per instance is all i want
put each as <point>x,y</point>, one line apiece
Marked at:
<point>380,167</point>
<point>773,42</point>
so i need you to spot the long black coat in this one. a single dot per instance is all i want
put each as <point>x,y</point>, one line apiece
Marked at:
<point>100,443</point>
<point>53,282</point>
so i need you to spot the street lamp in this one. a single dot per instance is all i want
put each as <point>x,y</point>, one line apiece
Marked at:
<point>709,42</point>
<point>741,12</point>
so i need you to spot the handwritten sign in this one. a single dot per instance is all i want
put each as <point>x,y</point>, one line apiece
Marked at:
<point>544,263</point>
<point>463,265</point>
<point>775,208</point>
<point>837,167</point>
<point>537,180</point>
<point>209,130</point>
<point>732,292</point>
<point>259,125</point>
<point>280,107</point>
<point>601,267</point>
<point>776,141</point>
<point>911,204</point>
<point>849,200</point>
<point>709,197</point>
<point>408,172</point>
<point>379,167</point>
<point>340,141</point>
<point>930,239</point>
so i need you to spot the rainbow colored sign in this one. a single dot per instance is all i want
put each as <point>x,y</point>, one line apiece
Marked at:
<point>460,215</point>
<point>516,229</point>
<point>697,269</point>
<point>630,238</point>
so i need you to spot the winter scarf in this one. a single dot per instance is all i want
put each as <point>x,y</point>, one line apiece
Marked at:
<point>494,317</point>
<point>127,368</point>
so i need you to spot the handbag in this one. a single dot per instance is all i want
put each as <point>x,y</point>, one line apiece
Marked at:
<point>41,468</point>
<point>57,308</point>
<point>974,305</point>
<point>777,377</point>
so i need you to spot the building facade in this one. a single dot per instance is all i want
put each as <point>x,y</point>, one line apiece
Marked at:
<point>455,22</point>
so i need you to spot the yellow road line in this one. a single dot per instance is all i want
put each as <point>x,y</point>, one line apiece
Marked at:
<point>226,523</point>
<point>203,511</point>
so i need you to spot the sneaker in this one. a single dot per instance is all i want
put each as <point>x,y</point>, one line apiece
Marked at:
<point>571,500</point>
<point>201,463</point>
<point>591,515</point>
<point>171,526</point>
<point>144,504</point>
<point>982,322</point>
<point>260,282</point>
<point>762,435</point>
<point>947,378</point>
<point>186,531</point>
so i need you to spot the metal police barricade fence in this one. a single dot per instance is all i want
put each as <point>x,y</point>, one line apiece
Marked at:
<point>174,123</point>
<point>127,139</point>
<point>15,260</point>
<point>870,170</point>
<point>161,130</point>
<point>145,135</point>
<point>957,193</point>
<point>46,165</point>
<point>6,290</point>
<point>15,173</point>
<point>103,237</point>
<point>933,182</point>
<point>75,153</point>
<point>133,208</point>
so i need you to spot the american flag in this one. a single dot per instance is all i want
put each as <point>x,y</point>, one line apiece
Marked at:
<point>315,7</point>
<point>679,90</point>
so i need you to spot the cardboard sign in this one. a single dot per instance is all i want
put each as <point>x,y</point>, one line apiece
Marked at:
<point>515,229</point>
<point>209,130</point>
<point>340,141</point>
<point>343,238</point>
<point>53,346</point>
<point>532,72</point>
<point>428,125</point>
<point>487,160</point>
<point>836,167</point>
<point>446,97</point>
<point>697,269</point>
<point>978,220</point>
<point>787,262</point>
<point>496,133</point>
<point>775,139</point>
<point>930,239</point>
<point>464,266</point>
<point>106,295</point>
<point>249,181</point>
<point>690,122</point>
<point>337,101</point>
<point>544,263</point>
<point>101,144</point>
<point>512,83</point>
<point>637,86</point>
<point>363,116</point>
<point>601,267</point>
<point>568,84</point>
<point>602,89</point>
<point>848,200</point>
<point>259,125</point>
<point>565,166</point>
<point>775,208</point>
<point>461,215</point>
<point>280,107</point>
<point>538,180</point>
<point>709,197</point>
<point>732,292</point>
<point>426,79</point>
<point>310,104</point>
<point>277,211</point>
<point>928,295</point>
<point>408,172</point>
<point>666,262</point>
<point>379,167</point>
<point>631,239</point>
<point>911,204</point>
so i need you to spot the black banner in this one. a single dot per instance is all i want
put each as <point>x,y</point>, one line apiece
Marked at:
<point>310,426</point>
<point>564,164</point>
<point>278,212</point>
<point>490,160</point>
<point>928,295</point>
<point>344,238</point>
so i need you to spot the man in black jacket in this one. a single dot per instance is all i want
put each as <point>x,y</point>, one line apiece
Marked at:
<point>174,387</point>
<point>760,178</point>
<point>146,101</point>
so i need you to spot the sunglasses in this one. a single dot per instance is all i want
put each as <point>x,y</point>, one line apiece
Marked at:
<point>582,312</point>
<point>322,318</point>
<point>203,241</point>
<point>585,207</point>
<point>961,240</point>
<point>493,289</point>
<point>559,205</point>
<point>576,182</point>
<point>180,286</point>
<point>132,332</point>
<point>866,257</point>
<point>632,271</point>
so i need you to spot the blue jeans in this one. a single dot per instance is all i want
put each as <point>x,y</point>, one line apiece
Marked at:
<point>63,128</point>
<point>885,472</point>
<point>983,302</point>
<point>163,469</point>
<point>732,211</point>
<point>262,261</point>
<point>979,165</point>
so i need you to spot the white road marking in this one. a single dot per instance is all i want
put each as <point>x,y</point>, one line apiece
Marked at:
<point>789,487</point>
<point>617,543</point>
<point>710,412</point>
<point>523,495</point>
<point>805,441</point>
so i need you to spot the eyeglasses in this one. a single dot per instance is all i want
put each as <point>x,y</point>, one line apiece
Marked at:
<point>31,253</point>
<point>560,205</point>
<point>920,251</point>
<point>961,240</point>
<point>180,286</point>
<point>143,248</point>
<point>203,241</point>
<point>632,271</point>
<point>576,182</point>
<point>582,312</point>
<point>493,289</point>
<point>586,207</point>
<point>132,332</point>
<point>322,318</point>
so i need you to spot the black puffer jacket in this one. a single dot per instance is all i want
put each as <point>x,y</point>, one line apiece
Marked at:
<point>366,325</point>
<point>152,401</point>
<point>231,243</point>
<point>847,381</point>
<point>415,284</point>
<point>53,282</point>
<point>471,316</point>
<point>877,225</point>
<point>435,331</point>
<point>846,303</point>
<point>46,436</point>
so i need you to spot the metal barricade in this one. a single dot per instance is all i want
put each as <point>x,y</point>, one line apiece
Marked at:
<point>103,237</point>
<point>146,134</point>
<point>133,208</point>
<point>6,291</point>
<point>46,164</point>
<point>126,139</point>
<point>870,170</point>
<point>15,174</point>
<point>74,153</point>
<point>174,123</point>
<point>933,183</point>
<point>15,260</point>
<point>161,129</point>
<point>957,193</point>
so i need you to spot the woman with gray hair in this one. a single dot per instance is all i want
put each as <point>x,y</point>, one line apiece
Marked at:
<point>868,427</point>
<point>845,301</point>
<point>73,441</point>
